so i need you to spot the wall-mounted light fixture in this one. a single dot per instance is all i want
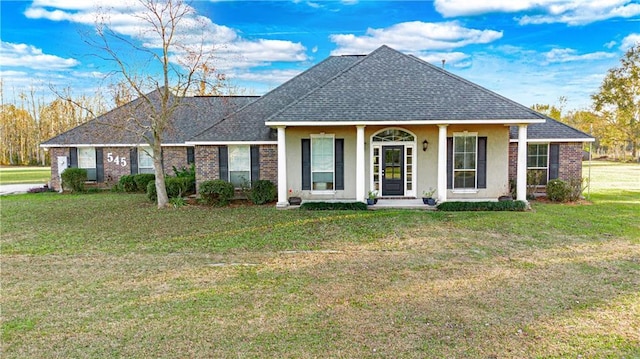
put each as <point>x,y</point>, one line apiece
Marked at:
<point>425,145</point>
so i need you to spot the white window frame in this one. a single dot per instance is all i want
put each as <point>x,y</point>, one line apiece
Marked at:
<point>87,159</point>
<point>475,169</point>
<point>145,154</point>
<point>234,164</point>
<point>546,168</point>
<point>407,144</point>
<point>333,164</point>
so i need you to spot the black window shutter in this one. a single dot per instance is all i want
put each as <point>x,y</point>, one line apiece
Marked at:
<point>223,162</point>
<point>73,157</point>
<point>99,165</point>
<point>255,163</point>
<point>133,159</point>
<point>191,155</point>
<point>449,162</point>
<point>339,163</point>
<point>306,164</point>
<point>554,160</point>
<point>482,162</point>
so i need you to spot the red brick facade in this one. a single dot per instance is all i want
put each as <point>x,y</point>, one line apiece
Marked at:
<point>570,165</point>
<point>117,162</point>
<point>207,163</point>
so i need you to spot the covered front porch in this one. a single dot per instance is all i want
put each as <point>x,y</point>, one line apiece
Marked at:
<point>397,161</point>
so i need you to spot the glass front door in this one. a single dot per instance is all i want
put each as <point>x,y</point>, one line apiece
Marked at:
<point>393,170</point>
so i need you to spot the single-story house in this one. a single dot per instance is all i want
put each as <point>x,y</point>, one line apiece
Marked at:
<point>385,122</point>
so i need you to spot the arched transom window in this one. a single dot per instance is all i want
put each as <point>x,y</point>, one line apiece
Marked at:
<point>393,135</point>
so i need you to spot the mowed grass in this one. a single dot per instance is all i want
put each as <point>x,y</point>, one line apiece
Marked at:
<point>108,275</point>
<point>19,174</point>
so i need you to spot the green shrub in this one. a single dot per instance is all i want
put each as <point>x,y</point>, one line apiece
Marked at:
<point>142,180</point>
<point>577,186</point>
<point>73,179</point>
<point>179,186</point>
<point>483,206</point>
<point>216,192</point>
<point>321,206</point>
<point>152,194</point>
<point>127,183</point>
<point>263,191</point>
<point>558,190</point>
<point>185,172</point>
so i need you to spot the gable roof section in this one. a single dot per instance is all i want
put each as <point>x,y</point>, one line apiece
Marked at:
<point>387,85</point>
<point>116,127</point>
<point>551,131</point>
<point>248,123</point>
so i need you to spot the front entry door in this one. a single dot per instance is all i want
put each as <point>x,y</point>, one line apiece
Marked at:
<point>393,170</point>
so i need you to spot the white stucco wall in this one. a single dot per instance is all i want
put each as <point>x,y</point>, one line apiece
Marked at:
<point>425,171</point>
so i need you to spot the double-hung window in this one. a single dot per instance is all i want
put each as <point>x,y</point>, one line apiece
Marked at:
<point>145,160</point>
<point>537,163</point>
<point>465,160</point>
<point>239,165</point>
<point>322,162</point>
<point>87,160</point>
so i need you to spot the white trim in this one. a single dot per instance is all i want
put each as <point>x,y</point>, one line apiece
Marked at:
<point>442,164</point>
<point>400,123</point>
<point>548,140</point>
<point>405,144</point>
<point>521,167</point>
<point>453,169</point>
<point>120,145</point>
<point>360,164</point>
<point>282,169</point>
<point>332,136</point>
<point>218,143</point>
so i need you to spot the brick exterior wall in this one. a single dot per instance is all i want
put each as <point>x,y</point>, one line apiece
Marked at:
<point>173,156</point>
<point>570,160</point>
<point>269,163</point>
<point>207,163</point>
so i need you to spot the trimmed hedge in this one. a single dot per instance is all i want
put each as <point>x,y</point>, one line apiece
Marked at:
<point>324,206</point>
<point>142,180</point>
<point>73,179</point>
<point>127,183</point>
<point>216,192</point>
<point>483,206</point>
<point>262,191</point>
<point>558,190</point>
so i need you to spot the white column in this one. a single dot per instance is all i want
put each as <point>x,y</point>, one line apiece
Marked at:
<point>360,177</point>
<point>442,163</point>
<point>521,172</point>
<point>282,169</point>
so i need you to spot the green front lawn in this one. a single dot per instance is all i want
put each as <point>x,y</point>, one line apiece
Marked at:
<point>17,175</point>
<point>109,275</point>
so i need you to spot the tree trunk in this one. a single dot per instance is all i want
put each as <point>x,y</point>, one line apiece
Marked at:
<point>161,188</point>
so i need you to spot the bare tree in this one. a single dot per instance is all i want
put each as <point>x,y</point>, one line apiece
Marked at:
<point>158,65</point>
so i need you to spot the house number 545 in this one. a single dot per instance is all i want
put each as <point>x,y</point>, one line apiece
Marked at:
<point>117,160</point>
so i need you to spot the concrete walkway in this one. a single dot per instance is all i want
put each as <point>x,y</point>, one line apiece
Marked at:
<point>18,188</point>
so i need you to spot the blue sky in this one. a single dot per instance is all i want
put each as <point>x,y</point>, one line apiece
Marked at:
<point>532,51</point>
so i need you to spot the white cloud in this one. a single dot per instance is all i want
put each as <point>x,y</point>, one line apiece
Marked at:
<point>572,12</point>
<point>28,56</point>
<point>570,55</point>
<point>630,41</point>
<point>128,18</point>
<point>414,37</point>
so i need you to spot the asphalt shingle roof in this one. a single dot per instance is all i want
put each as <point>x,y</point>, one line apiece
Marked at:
<point>387,85</point>
<point>551,129</point>
<point>248,123</point>
<point>194,115</point>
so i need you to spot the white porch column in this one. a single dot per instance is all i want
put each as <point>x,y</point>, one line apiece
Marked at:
<point>360,177</point>
<point>282,169</point>
<point>442,163</point>
<point>521,172</point>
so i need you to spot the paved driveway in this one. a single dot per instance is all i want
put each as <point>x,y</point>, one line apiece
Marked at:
<point>18,188</point>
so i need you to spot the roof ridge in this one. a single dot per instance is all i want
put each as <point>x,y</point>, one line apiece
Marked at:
<point>462,79</point>
<point>339,73</point>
